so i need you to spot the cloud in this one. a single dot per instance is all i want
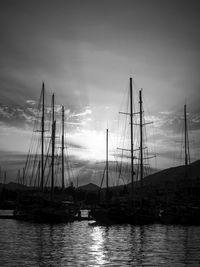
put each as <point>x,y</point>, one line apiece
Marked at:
<point>18,116</point>
<point>74,144</point>
<point>31,102</point>
<point>165,112</point>
<point>82,114</point>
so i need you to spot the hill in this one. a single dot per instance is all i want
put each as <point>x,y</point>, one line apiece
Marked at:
<point>174,174</point>
<point>172,186</point>
<point>89,187</point>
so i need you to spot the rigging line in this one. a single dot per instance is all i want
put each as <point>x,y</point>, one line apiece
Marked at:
<point>33,170</point>
<point>122,174</point>
<point>65,162</point>
<point>72,174</point>
<point>48,177</point>
<point>69,164</point>
<point>146,153</point>
<point>191,143</point>
<point>68,171</point>
<point>127,173</point>
<point>47,153</point>
<point>145,129</point>
<point>102,178</point>
<point>122,178</point>
<point>57,169</point>
<point>120,170</point>
<point>36,176</point>
<point>137,175</point>
<point>188,145</point>
<point>32,138</point>
<point>26,163</point>
<point>182,145</point>
<point>111,142</point>
<point>123,135</point>
<point>124,98</point>
<point>110,173</point>
<point>120,167</point>
<point>47,159</point>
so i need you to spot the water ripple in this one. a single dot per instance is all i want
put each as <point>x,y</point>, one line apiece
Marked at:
<point>77,244</point>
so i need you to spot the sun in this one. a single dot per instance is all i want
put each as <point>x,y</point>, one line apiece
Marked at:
<point>95,143</point>
<point>91,145</point>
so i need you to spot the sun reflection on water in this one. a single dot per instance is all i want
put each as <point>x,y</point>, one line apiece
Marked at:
<point>98,250</point>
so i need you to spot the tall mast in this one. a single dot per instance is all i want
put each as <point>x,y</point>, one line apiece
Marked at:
<point>18,177</point>
<point>141,142</point>
<point>63,133</point>
<point>42,136</point>
<point>107,162</point>
<point>187,150</point>
<point>53,146</point>
<point>185,124</point>
<point>38,184</point>
<point>131,125</point>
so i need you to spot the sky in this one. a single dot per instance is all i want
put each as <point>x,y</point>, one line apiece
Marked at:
<point>85,52</point>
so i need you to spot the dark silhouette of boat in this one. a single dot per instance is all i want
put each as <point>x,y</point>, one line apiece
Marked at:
<point>43,203</point>
<point>184,212</point>
<point>130,210</point>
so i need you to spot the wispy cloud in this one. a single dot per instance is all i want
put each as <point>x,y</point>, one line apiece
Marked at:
<point>165,112</point>
<point>31,102</point>
<point>82,114</point>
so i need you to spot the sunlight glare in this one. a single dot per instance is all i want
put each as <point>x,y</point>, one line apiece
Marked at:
<point>98,247</point>
<point>95,142</point>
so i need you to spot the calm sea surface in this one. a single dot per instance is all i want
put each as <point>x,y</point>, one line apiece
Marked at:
<point>78,244</point>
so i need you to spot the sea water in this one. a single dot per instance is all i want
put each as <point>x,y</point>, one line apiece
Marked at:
<point>80,244</point>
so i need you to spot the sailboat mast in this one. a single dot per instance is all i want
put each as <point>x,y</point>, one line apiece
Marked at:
<point>185,120</point>
<point>42,136</point>
<point>131,125</point>
<point>53,146</point>
<point>38,184</point>
<point>107,162</point>
<point>18,180</point>
<point>63,133</point>
<point>141,142</point>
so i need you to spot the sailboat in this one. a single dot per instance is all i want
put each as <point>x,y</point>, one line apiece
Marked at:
<point>107,211</point>
<point>141,212</point>
<point>131,210</point>
<point>42,204</point>
<point>183,212</point>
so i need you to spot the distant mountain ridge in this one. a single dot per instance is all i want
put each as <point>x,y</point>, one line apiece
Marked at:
<point>89,187</point>
<point>174,174</point>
